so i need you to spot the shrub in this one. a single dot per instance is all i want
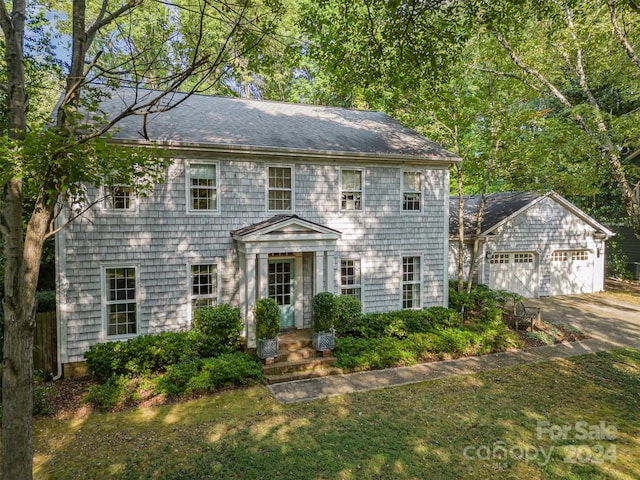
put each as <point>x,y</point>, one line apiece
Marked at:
<point>267,315</point>
<point>46,301</point>
<point>323,312</point>
<point>109,394</point>
<point>347,312</point>
<point>222,325</point>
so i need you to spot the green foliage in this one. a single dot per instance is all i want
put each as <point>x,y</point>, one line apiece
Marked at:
<point>46,301</point>
<point>323,312</point>
<point>267,315</point>
<point>403,322</point>
<point>41,394</point>
<point>148,354</point>
<point>347,312</point>
<point>104,396</point>
<point>543,337</point>
<point>221,325</point>
<point>209,375</point>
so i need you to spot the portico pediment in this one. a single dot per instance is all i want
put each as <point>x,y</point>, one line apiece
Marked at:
<point>285,228</point>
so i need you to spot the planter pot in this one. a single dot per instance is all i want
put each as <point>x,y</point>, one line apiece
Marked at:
<point>323,341</point>
<point>267,348</point>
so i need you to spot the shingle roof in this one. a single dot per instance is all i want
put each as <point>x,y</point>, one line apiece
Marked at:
<point>272,222</point>
<point>212,120</point>
<point>498,206</point>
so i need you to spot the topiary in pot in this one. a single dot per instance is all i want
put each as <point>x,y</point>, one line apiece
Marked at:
<point>323,318</point>
<point>267,315</point>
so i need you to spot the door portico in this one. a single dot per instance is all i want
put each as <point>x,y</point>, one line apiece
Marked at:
<point>283,238</point>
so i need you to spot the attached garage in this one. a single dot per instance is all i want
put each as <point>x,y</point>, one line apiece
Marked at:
<point>532,244</point>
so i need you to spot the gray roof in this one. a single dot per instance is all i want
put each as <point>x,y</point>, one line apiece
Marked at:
<point>253,124</point>
<point>272,222</point>
<point>498,206</point>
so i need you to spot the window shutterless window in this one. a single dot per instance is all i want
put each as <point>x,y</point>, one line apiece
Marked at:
<point>280,195</point>
<point>204,285</point>
<point>121,303</point>
<point>411,191</point>
<point>203,186</point>
<point>350,278</point>
<point>351,189</point>
<point>118,197</point>
<point>411,282</point>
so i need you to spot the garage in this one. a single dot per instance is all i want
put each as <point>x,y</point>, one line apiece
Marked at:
<point>571,272</point>
<point>515,272</point>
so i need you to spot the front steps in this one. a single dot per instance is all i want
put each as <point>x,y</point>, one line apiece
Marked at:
<point>298,360</point>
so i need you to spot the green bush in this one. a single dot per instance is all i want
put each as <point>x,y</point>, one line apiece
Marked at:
<point>267,315</point>
<point>347,312</point>
<point>222,325</point>
<point>323,312</point>
<point>46,301</point>
<point>108,394</point>
<point>209,375</point>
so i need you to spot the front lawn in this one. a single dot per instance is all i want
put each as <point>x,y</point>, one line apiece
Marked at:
<point>495,424</point>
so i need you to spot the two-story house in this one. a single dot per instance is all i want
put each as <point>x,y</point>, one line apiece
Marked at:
<point>261,199</point>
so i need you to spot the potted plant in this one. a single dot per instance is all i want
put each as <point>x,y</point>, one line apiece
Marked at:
<point>323,316</point>
<point>267,316</point>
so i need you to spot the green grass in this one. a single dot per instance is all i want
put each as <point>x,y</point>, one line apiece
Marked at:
<point>411,432</point>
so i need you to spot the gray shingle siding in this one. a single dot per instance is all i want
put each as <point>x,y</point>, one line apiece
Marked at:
<point>161,240</point>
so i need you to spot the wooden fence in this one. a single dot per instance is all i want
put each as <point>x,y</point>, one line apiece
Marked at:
<point>45,345</point>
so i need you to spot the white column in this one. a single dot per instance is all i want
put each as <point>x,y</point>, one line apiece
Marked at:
<point>263,274</point>
<point>331,267</point>
<point>250,277</point>
<point>318,285</point>
<point>298,290</point>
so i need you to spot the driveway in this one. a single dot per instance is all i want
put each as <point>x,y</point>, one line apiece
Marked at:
<point>602,318</point>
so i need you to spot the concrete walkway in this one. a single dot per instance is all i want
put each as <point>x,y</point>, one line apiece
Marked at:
<point>611,325</point>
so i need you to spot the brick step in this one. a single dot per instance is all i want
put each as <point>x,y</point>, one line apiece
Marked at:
<point>293,376</point>
<point>294,343</point>
<point>295,354</point>
<point>298,365</point>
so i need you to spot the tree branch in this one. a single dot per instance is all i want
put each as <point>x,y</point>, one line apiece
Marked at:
<point>507,75</point>
<point>5,19</point>
<point>622,38</point>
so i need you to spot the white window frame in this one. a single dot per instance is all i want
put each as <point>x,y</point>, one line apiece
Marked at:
<point>343,191</point>
<point>188,187</point>
<point>419,282</point>
<point>107,197</point>
<point>215,278</point>
<point>360,286</point>
<point>106,302</point>
<point>419,192</point>
<point>269,189</point>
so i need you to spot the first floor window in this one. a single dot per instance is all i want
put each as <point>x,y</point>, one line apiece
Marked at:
<point>350,278</point>
<point>121,303</point>
<point>280,188</point>
<point>411,282</point>
<point>411,191</point>
<point>204,285</point>
<point>118,197</point>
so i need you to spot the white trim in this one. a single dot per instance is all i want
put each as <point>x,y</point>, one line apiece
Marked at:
<point>216,294</point>
<point>187,175</point>
<point>445,270</point>
<point>340,286</point>
<point>292,168</point>
<point>362,183</point>
<point>420,191</point>
<point>104,336</point>
<point>133,200</point>
<point>420,282</point>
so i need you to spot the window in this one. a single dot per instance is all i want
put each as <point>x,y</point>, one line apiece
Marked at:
<point>411,191</point>
<point>411,282</point>
<point>280,188</point>
<point>351,190</point>
<point>118,197</point>
<point>204,285</point>
<point>121,304</point>
<point>203,187</point>
<point>523,258</point>
<point>580,255</point>
<point>350,278</point>
<point>559,256</point>
<point>497,258</point>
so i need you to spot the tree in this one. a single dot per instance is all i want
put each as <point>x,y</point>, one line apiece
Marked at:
<point>166,46</point>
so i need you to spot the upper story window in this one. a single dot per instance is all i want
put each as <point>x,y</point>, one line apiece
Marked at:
<point>121,301</point>
<point>411,191</point>
<point>350,278</point>
<point>118,197</point>
<point>280,188</point>
<point>203,187</point>
<point>351,189</point>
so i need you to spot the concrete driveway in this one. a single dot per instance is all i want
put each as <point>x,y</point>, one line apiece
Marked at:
<point>601,317</point>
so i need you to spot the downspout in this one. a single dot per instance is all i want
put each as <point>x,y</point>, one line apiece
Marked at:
<point>60,263</point>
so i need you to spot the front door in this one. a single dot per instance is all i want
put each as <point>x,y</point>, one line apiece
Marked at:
<point>281,289</point>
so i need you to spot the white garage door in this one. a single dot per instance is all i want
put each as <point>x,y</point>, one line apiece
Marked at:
<point>571,272</point>
<point>515,272</point>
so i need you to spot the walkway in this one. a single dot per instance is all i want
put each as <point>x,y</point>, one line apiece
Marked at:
<point>611,325</point>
